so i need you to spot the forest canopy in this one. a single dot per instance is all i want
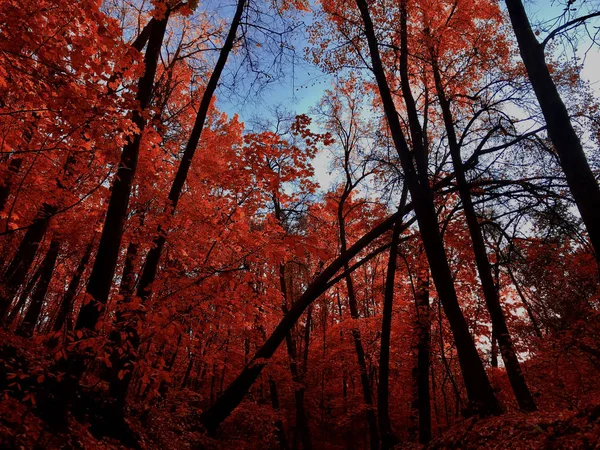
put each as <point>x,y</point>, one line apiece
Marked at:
<point>202,245</point>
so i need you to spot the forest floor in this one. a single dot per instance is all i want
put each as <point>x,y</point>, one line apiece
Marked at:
<point>172,423</point>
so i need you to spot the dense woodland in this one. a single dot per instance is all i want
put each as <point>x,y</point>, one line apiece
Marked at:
<point>175,277</point>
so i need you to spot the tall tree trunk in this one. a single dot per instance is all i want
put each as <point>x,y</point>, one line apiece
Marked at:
<point>27,326</point>
<point>301,419</point>
<point>152,259</point>
<point>423,326</point>
<point>283,444</point>
<point>388,439</point>
<point>64,313</point>
<point>57,398</point>
<point>580,177</point>
<point>103,271</point>
<point>481,395</point>
<point>23,297</point>
<point>13,168</point>
<point>302,426</point>
<point>121,370</point>
<point>490,293</point>
<point>360,352</point>
<point>17,270</point>
<point>120,384</point>
<point>534,322</point>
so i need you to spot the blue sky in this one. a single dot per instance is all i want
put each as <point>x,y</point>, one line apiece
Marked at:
<point>304,84</point>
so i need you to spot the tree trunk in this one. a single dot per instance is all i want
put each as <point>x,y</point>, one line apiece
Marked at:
<point>301,419</point>
<point>283,445</point>
<point>481,395</point>
<point>152,259</point>
<point>492,300</point>
<point>423,325</point>
<point>233,395</point>
<point>13,167</point>
<point>27,326</point>
<point>23,297</point>
<point>388,439</point>
<point>57,398</point>
<point>103,271</point>
<point>580,177</point>
<point>119,385</point>
<point>64,313</point>
<point>360,352</point>
<point>17,270</point>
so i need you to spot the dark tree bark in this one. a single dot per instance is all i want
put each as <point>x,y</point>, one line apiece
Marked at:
<point>481,395</point>
<point>122,352</point>
<point>63,318</point>
<point>356,337</point>
<point>484,268</point>
<point>152,259</point>
<point>301,419</point>
<point>534,322</point>
<point>23,297</point>
<point>56,398</point>
<point>17,270</point>
<point>573,161</point>
<point>13,168</point>
<point>283,445</point>
<point>103,271</point>
<point>388,439</point>
<point>302,426</point>
<point>423,328</point>
<point>120,383</point>
<point>233,395</point>
<point>27,326</point>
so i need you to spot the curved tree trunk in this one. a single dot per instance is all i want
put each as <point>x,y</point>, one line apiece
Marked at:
<point>233,395</point>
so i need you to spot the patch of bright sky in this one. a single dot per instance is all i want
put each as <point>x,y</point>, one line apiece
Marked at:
<point>305,83</point>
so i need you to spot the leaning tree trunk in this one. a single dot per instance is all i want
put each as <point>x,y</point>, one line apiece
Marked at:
<point>492,300</point>
<point>120,384</point>
<point>481,395</point>
<point>103,271</point>
<point>27,326</point>
<point>233,395</point>
<point>17,270</point>
<point>24,295</point>
<point>152,259</point>
<point>64,312</point>
<point>573,161</point>
<point>57,398</point>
